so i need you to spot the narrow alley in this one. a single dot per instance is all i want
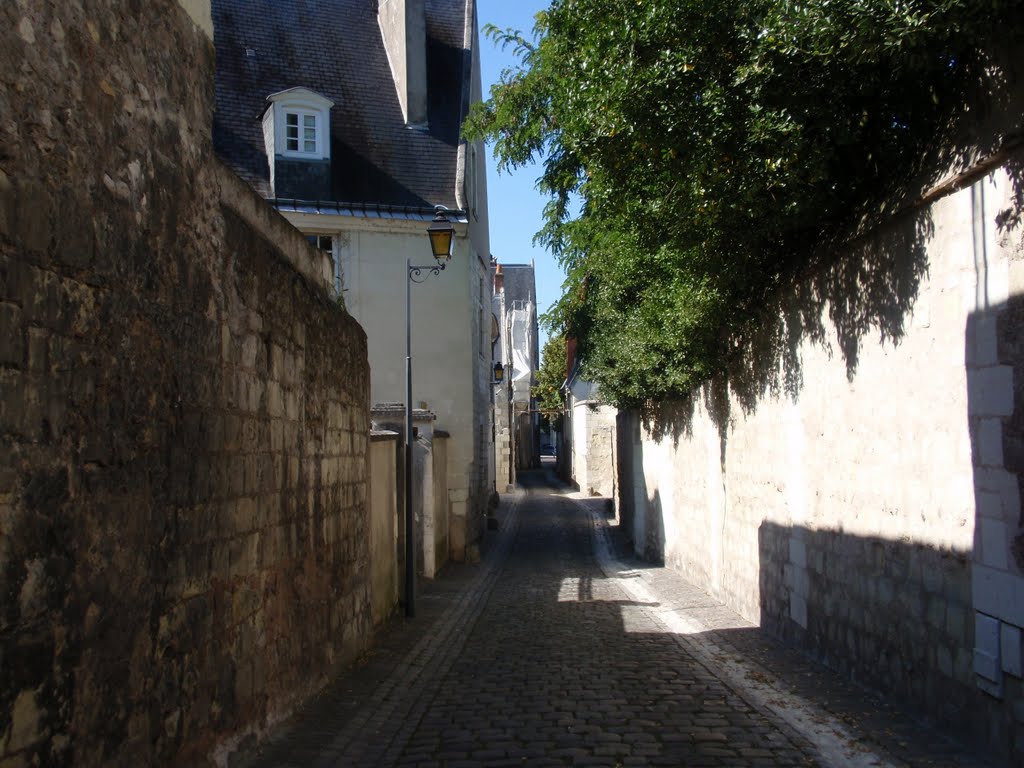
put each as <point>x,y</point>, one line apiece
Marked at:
<point>557,651</point>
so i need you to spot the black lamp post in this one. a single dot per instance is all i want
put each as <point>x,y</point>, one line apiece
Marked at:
<point>441,234</point>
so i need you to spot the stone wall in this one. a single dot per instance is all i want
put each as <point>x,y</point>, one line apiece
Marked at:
<point>439,489</point>
<point>183,411</point>
<point>386,454</point>
<point>855,485</point>
<point>591,425</point>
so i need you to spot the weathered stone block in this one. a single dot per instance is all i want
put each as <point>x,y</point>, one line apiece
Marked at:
<point>982,348</point>
<point>931,577</point>
<point>994,544</point>
<point>12,335</point>
<point>986,648</point>
<point>999,593</point>
<point>944,660</point>
<point>275,400</point>
<point>8,202</point>
<point>956,622</point>
<point>936,611</point>
<point>798,609</point>
<point>32,220</point>
<point>990,391</point>
<point>990,442</point>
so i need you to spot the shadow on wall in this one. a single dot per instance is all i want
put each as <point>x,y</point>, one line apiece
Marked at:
<point>939,629</point>
<point>861,284</point>
<point>641,518</point>
<point>893,616</point>
<point>865,286</point>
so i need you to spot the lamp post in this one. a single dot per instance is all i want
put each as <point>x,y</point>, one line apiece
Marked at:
<point>441,234</point>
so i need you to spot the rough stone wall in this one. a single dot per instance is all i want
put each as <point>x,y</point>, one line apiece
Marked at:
<point>592,427</point>
<point>860,494</point>
<point>385,453</point>
<point>505,474</point>
<point>601,453</point>
<point>439,461</point>
<point>183,413</point>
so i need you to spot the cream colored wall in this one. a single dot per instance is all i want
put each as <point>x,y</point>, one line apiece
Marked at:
<point>885,454</point>
<point>446,361</point>
<point>874,515</point>
<point>383,525</point>
<point>592,425</point>
<point>439,542</point>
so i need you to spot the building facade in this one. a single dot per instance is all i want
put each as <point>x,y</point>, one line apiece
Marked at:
<point>516,346</point>
<point>345,116</point>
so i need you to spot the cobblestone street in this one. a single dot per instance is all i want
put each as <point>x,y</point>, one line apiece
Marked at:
<point>555,651</point>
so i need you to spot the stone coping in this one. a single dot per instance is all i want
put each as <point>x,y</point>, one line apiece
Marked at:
<point>398,409</point>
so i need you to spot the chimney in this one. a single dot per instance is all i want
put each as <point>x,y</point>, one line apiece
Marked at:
<point>499,280</point>
<point>403,24</point>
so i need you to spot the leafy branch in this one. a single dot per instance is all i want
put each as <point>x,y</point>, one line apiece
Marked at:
<point>714,147</point>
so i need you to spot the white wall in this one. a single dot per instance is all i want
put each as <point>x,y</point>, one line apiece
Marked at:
<point>449,360</point>
<point>592,425</point>
<point>866,510</point>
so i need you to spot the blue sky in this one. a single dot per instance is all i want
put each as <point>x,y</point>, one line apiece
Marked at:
<point>514,204</point>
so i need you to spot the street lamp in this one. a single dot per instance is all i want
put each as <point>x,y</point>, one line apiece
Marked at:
<point>441,234</point>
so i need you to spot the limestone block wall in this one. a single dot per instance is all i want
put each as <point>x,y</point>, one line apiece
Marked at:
<point>384,460</point>
<point>592,425</point>
<point>505,472</point>
<point>856,489</point>
<point>439,460</point>
<point>431,508</point>
<point>183,411</point>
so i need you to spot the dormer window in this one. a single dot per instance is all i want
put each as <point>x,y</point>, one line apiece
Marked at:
<point>297,137</point>
<point>297,125</point>
<point>302,134</point>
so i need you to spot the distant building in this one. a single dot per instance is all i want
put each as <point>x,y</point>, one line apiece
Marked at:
<point>516,345</point>
<point>346,118</point>
<point>588,455</point>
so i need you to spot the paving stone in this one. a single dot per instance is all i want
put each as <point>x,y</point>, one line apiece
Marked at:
<point>538,657</point>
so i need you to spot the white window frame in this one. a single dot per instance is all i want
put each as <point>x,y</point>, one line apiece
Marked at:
<point>300,140</point>
<point>303,103</point>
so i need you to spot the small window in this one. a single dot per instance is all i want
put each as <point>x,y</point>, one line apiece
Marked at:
<point>323,242</point>
<point>297,124</point>
<point>300,132</point>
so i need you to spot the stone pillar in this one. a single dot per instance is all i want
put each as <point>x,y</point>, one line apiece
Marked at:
<point>391,416</point>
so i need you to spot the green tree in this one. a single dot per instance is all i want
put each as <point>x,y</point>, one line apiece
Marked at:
<point>550,377</point>
<point>710,145</point>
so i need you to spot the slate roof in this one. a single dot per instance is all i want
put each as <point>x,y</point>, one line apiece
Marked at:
<point>520,283</point>
<point>335,47</point>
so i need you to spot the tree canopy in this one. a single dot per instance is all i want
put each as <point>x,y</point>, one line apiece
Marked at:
<point>551,376</point>
<point>710,146</point>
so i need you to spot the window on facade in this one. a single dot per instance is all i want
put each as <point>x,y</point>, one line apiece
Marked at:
<point>323,242</point>
<point>300,132</point>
